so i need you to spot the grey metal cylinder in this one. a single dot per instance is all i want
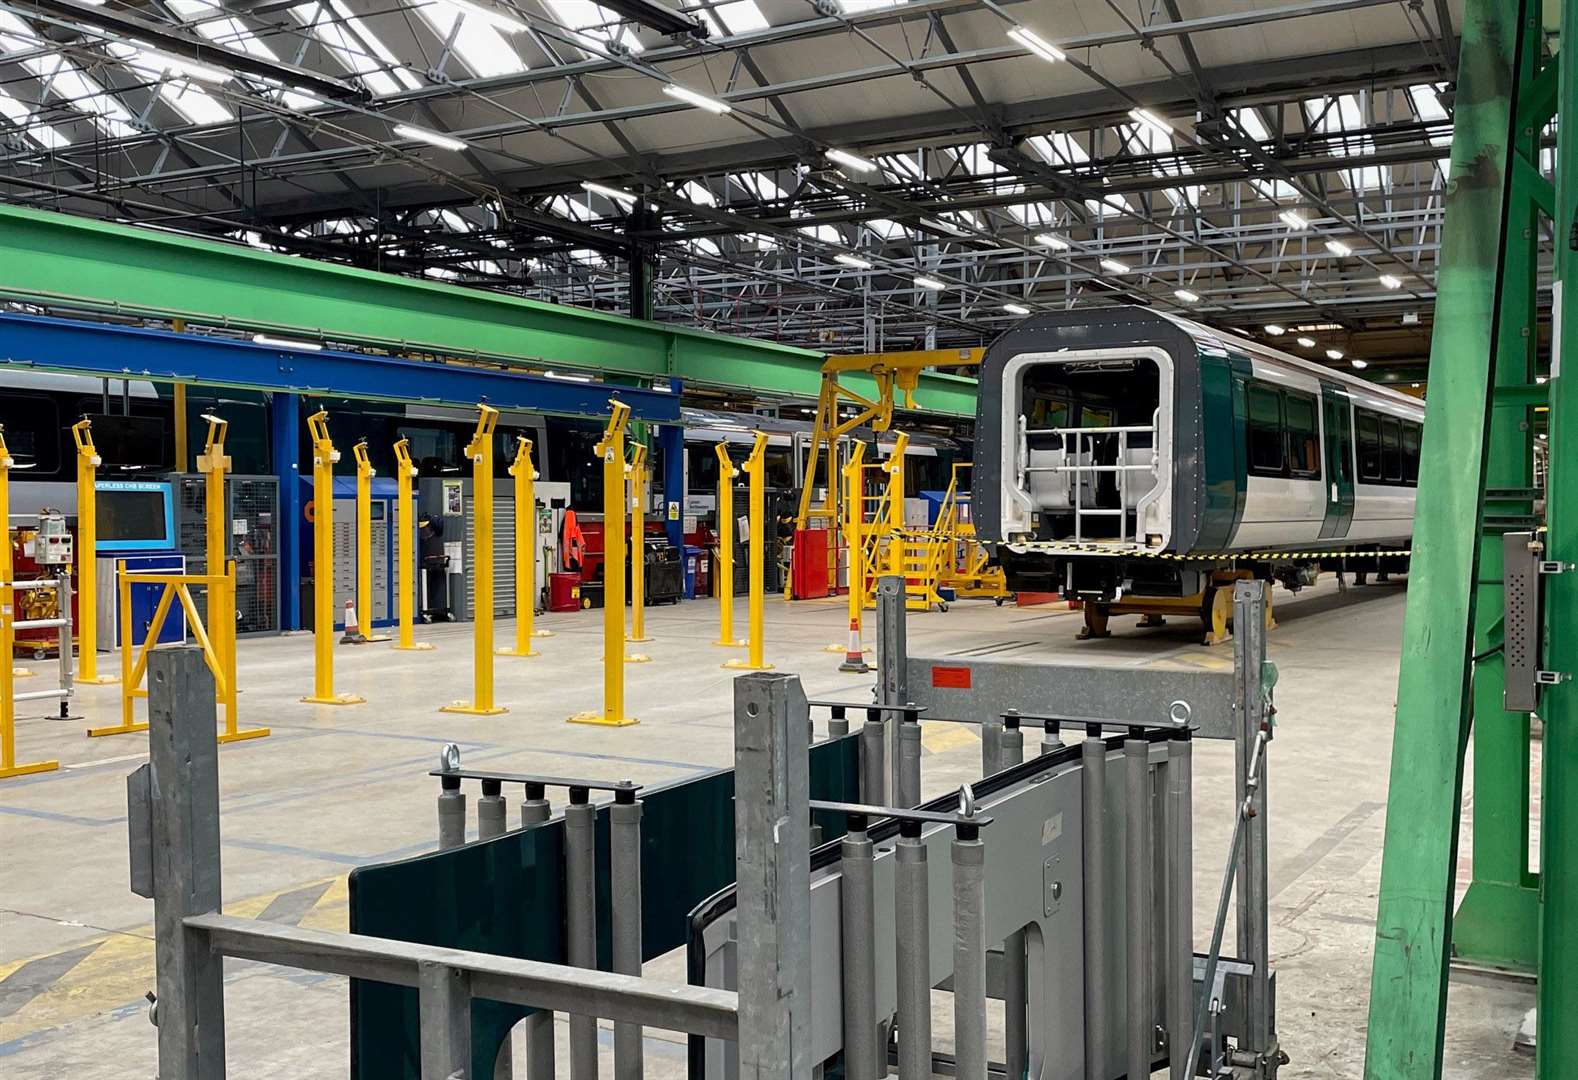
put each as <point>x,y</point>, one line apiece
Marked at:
<point>580,916</point>
<point>909,773</point>
<point>491,811</point>
<point>969,956</point>
<point>1180,907</point>
<point>1093,817</point>
<point>451,814</point>
<point>857,891</point>
<point>873,759</point>
<point>838,724</point>
<point>1010,747</point>
<point>1137,906</point>
<point>912,953</point>
<point>1051,738</point>
<point>991,744</point>
<point>538,1027</point>
<point>1016,1005</point>
<point>63,599</point>
<point>624,841</point>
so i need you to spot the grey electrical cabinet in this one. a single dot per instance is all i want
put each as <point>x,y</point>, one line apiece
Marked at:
<point>252,529</point>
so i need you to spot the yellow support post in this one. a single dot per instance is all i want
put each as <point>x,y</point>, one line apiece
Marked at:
<point>405,526</point>
<point>324,455</point>
<point>638,552</point>
<point>182,444</point>
<point>894,467</point>
<point>756,472</point>
<point>8,765</point>
<point>88,462</point>
<point>525,475</point>
<point>854,500</point>
<point>725,575</point>
<point>364,542</point>
<point>612,451</point>
<point>480,451</point>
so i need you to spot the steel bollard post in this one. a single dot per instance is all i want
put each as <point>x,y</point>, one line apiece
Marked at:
<point>909,748</point>
<point>1138,904</point>
<point>873,769</point>
<point>451,813</point>
<point>580,906</point>
<point>1093,819</point>
<point>912,952</point>
<point>857,891</point>
<point>1180,906</point>
<point>535,809</point>
<point>969,953</point>
<point>838,725</point>
<point>624,825</point>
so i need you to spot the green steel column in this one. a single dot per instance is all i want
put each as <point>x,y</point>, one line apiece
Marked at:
<point>1557,1037</point>
<point>1497,922</point>
<point>1413,921</point>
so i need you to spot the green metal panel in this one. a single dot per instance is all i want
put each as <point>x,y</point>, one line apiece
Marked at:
<point>50,256</point>
<point>1413,920</point>
<point>1220,456</point>
<point>506,896</point>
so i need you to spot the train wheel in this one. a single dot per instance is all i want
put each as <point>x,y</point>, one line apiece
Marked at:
<point>1096,616</point>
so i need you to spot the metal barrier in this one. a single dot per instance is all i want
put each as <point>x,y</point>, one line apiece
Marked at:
<point>9,625</point>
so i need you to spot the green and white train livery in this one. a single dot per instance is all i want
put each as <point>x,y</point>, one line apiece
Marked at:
<point>1126,451</point>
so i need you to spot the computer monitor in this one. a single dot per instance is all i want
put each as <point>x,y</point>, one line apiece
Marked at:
<point>135,515</point>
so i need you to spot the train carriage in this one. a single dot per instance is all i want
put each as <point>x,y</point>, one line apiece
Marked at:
<point>1126,455</point>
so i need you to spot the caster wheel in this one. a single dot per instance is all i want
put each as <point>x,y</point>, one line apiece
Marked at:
<point>999,600</point>
<point>942,607</point>
<point>40,654</point>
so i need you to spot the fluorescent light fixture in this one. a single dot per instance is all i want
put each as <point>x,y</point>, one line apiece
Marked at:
<point>1358,365</point>
<point>852,260</point>
<point>1056,243</point>
<point>1036,44</point>
<point>1294,220</point>
<point>1334,354</point>
<point>1307,342</point>
<point>1113,266</point>
<point>927,282</point>
<point>177,65</point>
<point>1414,385</point>
<point>1016,309</point>
<point>1149,119</point>
<point>567,378</point>
<point>1274,330</point>
<point>619,195</point>
<point>286,343</point>
<point>1540,380</point>
<point>701,101</point>
<point>1338,248</point>
<point>432,138</point>
<point>851,161</point>
<point>1188,296</point>
<point>496,19</point>
<point>1389,282</point>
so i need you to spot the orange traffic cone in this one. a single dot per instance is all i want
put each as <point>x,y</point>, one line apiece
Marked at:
<point>853,660</point>
<point>353,632</point>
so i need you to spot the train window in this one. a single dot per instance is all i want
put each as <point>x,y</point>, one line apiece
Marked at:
<point>1303,437</point>
<point>1265,430</point>
<point>1089,417</point>
<point>1391,449</point>
<point>1410,453</point>
<point>1047,412</point>
<point>1369,445</point>
<point>1344,442</point>
<point>32,433</point>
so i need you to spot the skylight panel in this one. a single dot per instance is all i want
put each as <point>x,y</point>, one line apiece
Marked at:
<point>828,234</point>
<point>760,186</point>
<point>64,79</point>
<point>1255,128</point>
<point>575,208</point>
<point>20,115</point>
<point>209,20</point>
<point>697,193</point>
<point>855,7</point>
<point>594,23</point>
<point>177,89</point>
<point>1151,140</point>
<point>887,229</point>
<point>1336,117</point>
<point>355,47</point>
<point>480,47</point>
<point>736,17</point>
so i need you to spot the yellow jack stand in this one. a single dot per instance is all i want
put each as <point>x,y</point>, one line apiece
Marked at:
<point>756,473</point>
<point>405,525</point>
<point>525,551</point>
<point>324,455</point>
<point>88,462</point>
<point>480,451</point>
<point>725,576</point>
<point>8,765</point>
<point>612,451</point>
<point>364,539</point>
<point>638,553</point>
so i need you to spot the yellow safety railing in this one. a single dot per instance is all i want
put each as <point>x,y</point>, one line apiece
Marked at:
<point>611,449</point>
<point>755,467</point>
<point>480,451</point>
<point>8,762</point>
<point>405,528</point>
<point>88,462</point>
<point>525,475</point>
<point>725,569</point>
<point>963,562</point>
<point>638,552</point>
<point>324,457</point>
<point>218,646</point>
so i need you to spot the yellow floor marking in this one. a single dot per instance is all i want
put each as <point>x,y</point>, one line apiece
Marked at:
<point>940,738</point>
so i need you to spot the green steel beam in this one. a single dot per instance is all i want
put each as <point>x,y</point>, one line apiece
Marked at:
<point>1414,917</point>
<point>59,258</point>
<point>1556,1040</point>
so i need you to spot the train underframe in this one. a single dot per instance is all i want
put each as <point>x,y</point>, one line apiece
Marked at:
<point>1158,588</point>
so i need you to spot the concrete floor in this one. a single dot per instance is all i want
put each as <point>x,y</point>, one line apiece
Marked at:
<point>335,787</point>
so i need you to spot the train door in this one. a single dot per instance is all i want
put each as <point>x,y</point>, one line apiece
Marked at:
<point>1337,424</point>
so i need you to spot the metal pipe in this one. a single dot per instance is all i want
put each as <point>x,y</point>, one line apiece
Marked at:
<point>1137,904</point>
<point>909,749</point>
<point>38,624</point>
<point>451,813</point>
<point>912,952</point>
<point>38,695</point>
<point>624,860</point>
<point>535,810</point>
<point>580,907</point>
<point>969,953</point>
<point>991,743</point>
<point>1180,906</point>
<point>873,769</point>
<point>1093,813</point>
<point>857,892</point>
<point>1016,968</point>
